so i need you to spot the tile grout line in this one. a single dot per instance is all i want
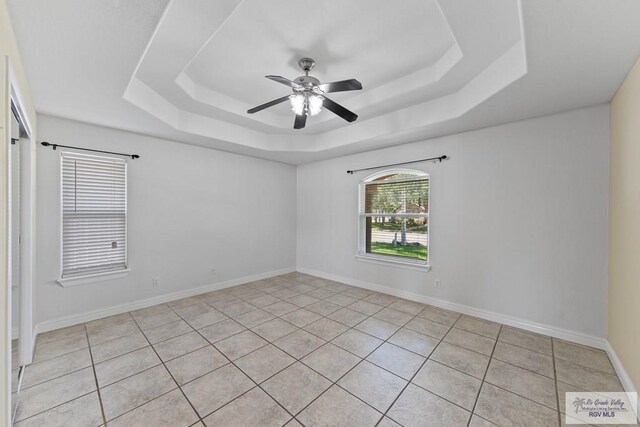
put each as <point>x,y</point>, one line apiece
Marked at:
<point>59,355</point>
<point>141,405</point>
<point>427,358</point>
<point>54,378</point>
<point>490,357</point>
<point>505,342</point>
<point>232,363</point>
<point>203,337</point>
<point>526,348</point>
<point>357,364</point>
<point>193,351</point>
<point>257,385</point>
<point>484,377</point>
<point>350,327</point>
<point>297,360</point>
<point>517,394</point>
<point>362,359</point>
<point>55,406</point>
<point>121,354</point>
<point>418,370</point>
<point>555,383</point>
<point>521,396</point>
<point>330,380</point>
<point>134,374</point>
<point>132,318</point>
<point>523,368</point>
<point>170,374</point>
<point>95,376</point>
<point>192,330</point>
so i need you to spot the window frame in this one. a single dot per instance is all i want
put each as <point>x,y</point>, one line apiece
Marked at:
<point>116,273</point>
<point>391,260</point>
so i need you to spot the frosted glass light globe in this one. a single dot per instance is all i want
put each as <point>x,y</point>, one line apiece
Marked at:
<point>315,104</point>
<point>297,103</point>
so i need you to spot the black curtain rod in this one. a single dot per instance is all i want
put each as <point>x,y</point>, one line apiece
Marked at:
<point>436,159</point>
<point>54,146</point>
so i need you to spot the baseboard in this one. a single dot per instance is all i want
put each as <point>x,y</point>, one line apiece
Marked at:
<point>625,379</point>
<point>77,319</point>
<point>527,325</point>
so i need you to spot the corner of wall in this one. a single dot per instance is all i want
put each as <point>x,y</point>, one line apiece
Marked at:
<point>624,230</point>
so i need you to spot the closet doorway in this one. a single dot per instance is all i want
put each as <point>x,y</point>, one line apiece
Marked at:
<point>20,186</point>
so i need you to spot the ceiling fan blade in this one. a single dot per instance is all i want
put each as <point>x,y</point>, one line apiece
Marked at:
<point>268,104</point>
<point>284,81</point>
<point>341,86</point>
<point>339,110</point>
<point>300,122</point>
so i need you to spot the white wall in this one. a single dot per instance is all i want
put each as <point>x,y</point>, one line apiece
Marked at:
<point>189,208</point>
<point>518,219</point>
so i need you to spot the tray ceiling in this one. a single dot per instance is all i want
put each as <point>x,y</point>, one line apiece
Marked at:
<point>421,62</point>
<point>187,71</point>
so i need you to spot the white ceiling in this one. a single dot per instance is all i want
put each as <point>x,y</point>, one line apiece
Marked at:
<point>189,70</point>
<point>255,38</point>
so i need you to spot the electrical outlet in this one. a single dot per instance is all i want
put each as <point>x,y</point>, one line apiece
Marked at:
<point>156,281</point>
<point>436,284</point>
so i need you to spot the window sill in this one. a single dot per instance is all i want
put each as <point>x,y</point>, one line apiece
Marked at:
<point>417,266</point>
<point>93,278</point>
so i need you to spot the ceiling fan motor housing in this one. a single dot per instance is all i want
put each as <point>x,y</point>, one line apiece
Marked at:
<point>307,81</point>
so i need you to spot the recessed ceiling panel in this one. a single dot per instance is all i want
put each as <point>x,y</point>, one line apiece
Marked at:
<point>347,39</point>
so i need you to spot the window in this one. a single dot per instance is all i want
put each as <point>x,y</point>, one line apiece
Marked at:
<point>94,215</point>
<point>394,217</point>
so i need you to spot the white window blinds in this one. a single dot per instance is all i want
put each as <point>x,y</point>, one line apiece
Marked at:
<point>94,214</point>
<point>394,216</point>
<point>397,197</point>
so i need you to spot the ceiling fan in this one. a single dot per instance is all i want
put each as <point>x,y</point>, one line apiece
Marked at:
<point>308,96</point>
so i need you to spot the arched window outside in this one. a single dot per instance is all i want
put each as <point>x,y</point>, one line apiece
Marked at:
<point>394,216</point>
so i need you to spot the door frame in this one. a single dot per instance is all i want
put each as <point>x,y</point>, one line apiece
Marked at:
<point>10,92</point>
<point>27,217</point>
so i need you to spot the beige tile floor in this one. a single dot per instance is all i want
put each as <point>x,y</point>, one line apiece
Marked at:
<point>15,373</point>
<point>298,350</point>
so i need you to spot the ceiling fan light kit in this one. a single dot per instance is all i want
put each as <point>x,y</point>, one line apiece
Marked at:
<point>308,104</point>
<point>308,95</point>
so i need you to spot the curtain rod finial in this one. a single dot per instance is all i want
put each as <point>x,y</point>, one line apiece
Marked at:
<point>350,172</point>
